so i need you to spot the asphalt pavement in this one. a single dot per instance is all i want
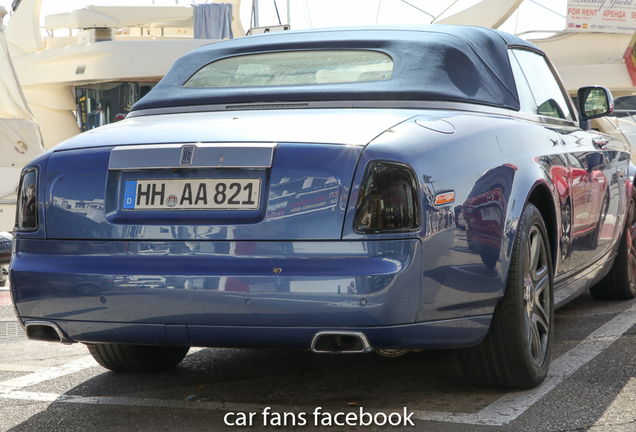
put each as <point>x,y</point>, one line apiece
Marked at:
<point>591,386</point>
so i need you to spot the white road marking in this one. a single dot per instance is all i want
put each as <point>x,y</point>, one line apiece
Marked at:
<point>165,403</point>
<point>46,374</point>
<point>12,367</point>
<point>499,413</point>
<point>512,405</point>
<point>620,415</point>
<point>29,396</point>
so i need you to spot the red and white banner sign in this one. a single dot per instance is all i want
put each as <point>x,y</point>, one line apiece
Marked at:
<point>607,16</point>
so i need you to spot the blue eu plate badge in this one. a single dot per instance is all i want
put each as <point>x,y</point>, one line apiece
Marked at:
<point>130,192</point>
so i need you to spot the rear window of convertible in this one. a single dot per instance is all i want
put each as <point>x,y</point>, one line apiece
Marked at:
<point>294,68</point>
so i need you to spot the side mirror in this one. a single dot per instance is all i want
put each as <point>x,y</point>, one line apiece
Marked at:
<point>594,102</point>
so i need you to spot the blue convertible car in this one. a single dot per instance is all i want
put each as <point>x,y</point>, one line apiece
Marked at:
<point>348,190</point>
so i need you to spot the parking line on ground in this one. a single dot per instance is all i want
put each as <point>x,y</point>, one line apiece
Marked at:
<point>499,413</point>
<point>46,374</point>
<point>13,367</point>
<point>147,402</point>
<point>509,407</point>
<point>621,412</point>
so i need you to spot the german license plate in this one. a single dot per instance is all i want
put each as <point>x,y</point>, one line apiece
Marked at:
<point>192,194</point>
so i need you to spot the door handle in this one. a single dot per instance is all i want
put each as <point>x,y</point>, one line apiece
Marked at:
<point>600,143</point>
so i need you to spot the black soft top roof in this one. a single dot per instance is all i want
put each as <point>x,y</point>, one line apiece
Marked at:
<point>436,62</point>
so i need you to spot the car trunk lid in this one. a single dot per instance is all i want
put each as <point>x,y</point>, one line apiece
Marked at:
<point>198,189</point>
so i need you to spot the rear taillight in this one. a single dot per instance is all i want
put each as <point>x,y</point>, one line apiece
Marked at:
<point>388,200</point>
<point>27,211</point>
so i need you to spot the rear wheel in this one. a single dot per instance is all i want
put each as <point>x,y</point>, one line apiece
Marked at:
<point>620,282</point>
<point>516,350</point>
<point>137,358</point>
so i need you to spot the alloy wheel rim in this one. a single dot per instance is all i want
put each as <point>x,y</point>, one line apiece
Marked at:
<point>537,296</point>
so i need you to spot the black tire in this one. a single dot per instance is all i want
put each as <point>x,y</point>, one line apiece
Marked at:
<point>516,350</point>
<point>620,282</point>
<point>137,358</point>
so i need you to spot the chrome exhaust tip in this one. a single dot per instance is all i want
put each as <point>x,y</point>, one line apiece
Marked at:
<point>47,332</point>
<point>340,342</point>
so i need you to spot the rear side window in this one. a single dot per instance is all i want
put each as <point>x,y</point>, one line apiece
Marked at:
<point>526,99</point>
<point>294,68</point>
<point>545,88</point>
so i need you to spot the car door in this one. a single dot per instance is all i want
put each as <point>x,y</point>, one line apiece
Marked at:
<point>582,195</point>
<point>594,197</point>
<point>554,163</point>
<point>596,215</point>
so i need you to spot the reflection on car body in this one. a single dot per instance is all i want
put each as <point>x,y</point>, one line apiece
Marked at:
<point>483,212</point>
<point>348,190</point>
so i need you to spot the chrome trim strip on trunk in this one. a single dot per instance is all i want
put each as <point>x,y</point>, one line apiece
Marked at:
<point>202,155</point>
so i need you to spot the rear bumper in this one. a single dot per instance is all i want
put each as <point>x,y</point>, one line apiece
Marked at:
<point>439,334</point>
<point>277,284</point>
<point>232,294</point>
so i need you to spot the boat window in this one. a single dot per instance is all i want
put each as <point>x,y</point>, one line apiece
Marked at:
<point>625,103</point>
<point>294,68</point>
<point>105,103</point>
<point>12,105</point>
<point>547,93</point>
